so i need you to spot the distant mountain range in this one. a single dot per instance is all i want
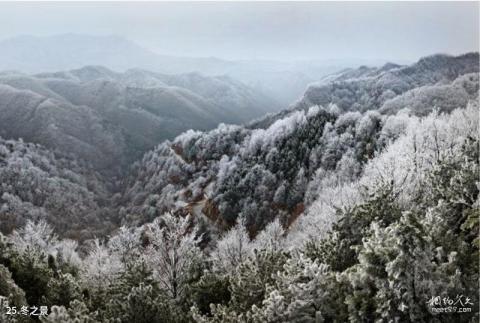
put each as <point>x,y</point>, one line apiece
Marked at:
<point>67,51</point>
<point>283,81</point>
<point>438,81</point>
<point>111,119</point>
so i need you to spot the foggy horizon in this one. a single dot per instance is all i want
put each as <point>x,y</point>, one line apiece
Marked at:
<point>283,32</point>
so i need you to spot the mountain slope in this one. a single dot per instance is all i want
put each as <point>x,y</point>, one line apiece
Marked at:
<point>276,166</point>
<point>370,88</point>
<point>61,126</point>
<point>35,185</point>
<point>237,100</point>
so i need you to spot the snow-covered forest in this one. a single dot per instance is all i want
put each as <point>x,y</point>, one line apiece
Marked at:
<point>359,203</point>
<point>239,161</point>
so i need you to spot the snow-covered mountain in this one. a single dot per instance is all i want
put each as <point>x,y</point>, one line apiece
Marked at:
<point>275,166</point>
<point>369,88</point>
<point>366,187</point>
<point>455,79</point>
<point>284,81</point>
<point>111,119</point>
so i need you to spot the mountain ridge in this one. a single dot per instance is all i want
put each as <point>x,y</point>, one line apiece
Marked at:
<point>284,81</point>
<point>348,89</point>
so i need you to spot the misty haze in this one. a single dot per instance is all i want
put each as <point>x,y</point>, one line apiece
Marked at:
<point>170,162</point>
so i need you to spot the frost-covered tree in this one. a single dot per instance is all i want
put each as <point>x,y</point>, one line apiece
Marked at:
<point>232,249</point>
<point>251,278</point>
<point>298,294</point>
<point>76,312</point>
<point>173,253</point>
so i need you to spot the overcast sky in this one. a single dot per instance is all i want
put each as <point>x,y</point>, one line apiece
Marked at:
<point>281,30</point>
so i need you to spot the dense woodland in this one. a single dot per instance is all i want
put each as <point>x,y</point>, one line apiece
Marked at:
<point>358,204</point>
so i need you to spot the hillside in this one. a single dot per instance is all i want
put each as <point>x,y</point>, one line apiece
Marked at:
<point>275,167</point>
<point>37,186</point>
